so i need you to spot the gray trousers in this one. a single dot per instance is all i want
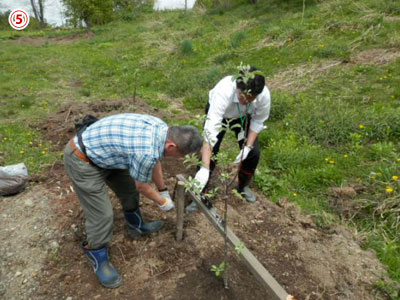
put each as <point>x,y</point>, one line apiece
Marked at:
<point>90,184</point>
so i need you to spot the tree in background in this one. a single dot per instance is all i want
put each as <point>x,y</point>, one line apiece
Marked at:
<point>91,12</point>
<point>38,10</point>
<point>130,9</point>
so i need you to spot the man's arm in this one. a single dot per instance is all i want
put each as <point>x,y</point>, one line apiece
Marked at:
<point>148,191</point>
<point>150,169</point>
<point>158,176</point>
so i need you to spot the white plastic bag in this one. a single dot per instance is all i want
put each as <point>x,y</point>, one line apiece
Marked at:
<point>13,179</point>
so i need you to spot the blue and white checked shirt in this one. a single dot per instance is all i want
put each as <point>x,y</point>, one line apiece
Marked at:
<point>126,141</point>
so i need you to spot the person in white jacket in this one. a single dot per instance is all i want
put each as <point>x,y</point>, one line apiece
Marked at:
<point>244,100</point>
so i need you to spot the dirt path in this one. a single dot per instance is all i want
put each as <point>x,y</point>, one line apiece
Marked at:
<point>40,231</point>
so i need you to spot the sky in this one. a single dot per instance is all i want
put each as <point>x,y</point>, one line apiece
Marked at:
<point>53,9</point>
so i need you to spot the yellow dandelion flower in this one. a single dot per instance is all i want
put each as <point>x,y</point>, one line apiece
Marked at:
<point>22,152</point>
<point>294,194</point>
<point>331,162</point>
<point>346,156</point>
<point>327,159</point>
<point>395,177</point>
<point>389,190</point>
<point>361,126</point>
<point>5,139</point>
<point>398,159</point>
<point>43,152</point>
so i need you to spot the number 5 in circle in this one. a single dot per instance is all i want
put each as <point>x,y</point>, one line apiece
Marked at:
<point>18,19</point>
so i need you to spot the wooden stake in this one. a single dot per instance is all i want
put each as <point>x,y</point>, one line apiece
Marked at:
<point>180,204</point>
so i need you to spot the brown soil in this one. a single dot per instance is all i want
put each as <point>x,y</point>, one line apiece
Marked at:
<point>41,228</point>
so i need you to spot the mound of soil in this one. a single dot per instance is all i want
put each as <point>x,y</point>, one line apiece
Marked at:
<point>41,228</point>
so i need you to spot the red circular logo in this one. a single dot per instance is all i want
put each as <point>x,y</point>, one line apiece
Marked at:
<point>18,19</point>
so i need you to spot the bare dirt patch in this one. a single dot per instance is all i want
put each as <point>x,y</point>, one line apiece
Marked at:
<point>39,41</point>
<point>60,126</point>
<point>376,56</point>
<point>300,77</point>
<point>41,228</point>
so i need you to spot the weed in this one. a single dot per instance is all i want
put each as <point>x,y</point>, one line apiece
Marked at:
<point>382,150</point>
<point>186,48</point>
<point>237,39</point>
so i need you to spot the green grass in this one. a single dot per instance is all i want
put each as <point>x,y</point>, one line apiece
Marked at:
<point>335,118</point>
<point>19,143</point>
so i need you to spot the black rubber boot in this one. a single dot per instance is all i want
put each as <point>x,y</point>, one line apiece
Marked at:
<point>243,187</point>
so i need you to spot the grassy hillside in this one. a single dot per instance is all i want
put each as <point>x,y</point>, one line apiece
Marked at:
<point>332,143</point>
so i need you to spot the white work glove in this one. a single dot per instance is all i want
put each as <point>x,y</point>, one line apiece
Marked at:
<point>246,150</point>
<point>168,204</point>
<point>165,194</point>
<point>202,177</point>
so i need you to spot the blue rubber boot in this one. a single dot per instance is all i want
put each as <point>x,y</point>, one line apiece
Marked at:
<point>106,273</point>
<point>137,227</point>
<point>191,207</point>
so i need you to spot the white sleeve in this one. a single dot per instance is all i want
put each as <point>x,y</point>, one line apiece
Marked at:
<point>212,127</point>
<point>261,114</point>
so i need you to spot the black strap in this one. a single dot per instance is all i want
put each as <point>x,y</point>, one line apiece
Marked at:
<point>81,126</point>
<point>80,142</point>
<point>82,146</point>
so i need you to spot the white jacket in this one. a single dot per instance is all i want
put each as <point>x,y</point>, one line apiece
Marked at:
<point>224,102</point>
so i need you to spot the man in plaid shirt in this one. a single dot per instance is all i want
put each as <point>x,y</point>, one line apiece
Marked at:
<point>122,152</point>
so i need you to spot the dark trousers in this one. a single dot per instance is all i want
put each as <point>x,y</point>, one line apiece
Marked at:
<point>249,165</point>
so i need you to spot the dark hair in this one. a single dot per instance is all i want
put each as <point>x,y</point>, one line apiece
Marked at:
<point>254,86</point>
<point>187,138</point>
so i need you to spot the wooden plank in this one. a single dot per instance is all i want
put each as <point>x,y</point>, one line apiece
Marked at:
<point>275,291</point>
<point>180,205</point>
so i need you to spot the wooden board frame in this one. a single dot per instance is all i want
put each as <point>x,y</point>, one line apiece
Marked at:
<point>274,290</point>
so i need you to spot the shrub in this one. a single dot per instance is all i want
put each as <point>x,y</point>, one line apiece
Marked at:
<point>267,182</point>
<point>237,39</point>
<point>186,48</point>
<point>89,11</point>
<point>281,105</point>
